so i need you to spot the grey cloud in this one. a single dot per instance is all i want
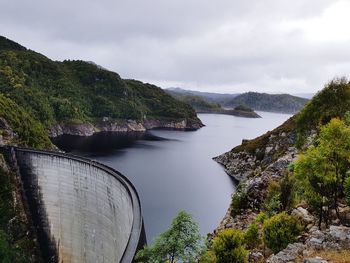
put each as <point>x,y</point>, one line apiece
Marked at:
<point>221,45</point>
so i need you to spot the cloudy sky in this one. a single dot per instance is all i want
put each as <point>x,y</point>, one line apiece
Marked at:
<point>222,46</point>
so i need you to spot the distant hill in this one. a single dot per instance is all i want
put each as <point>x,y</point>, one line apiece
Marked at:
<point>208,96</point>
<point>203,105</point>
<point>284,103</point>
<point>197,102</point>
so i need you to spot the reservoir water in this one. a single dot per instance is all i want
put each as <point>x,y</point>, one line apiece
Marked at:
<point>174,170</point>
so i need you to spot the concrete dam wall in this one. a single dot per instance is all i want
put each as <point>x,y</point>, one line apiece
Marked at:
<point>82,211</point>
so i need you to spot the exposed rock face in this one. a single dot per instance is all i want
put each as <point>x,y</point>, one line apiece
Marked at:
<point>304,215</point>
<point>255,170</point>
<point>334,238</point>
<point>7,135</point>
<point>289,254</point>
<point>106,125</point>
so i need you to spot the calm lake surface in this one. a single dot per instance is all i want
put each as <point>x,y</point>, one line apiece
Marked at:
<point>174,170</point>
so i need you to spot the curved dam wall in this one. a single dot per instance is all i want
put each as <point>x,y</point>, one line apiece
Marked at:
<point>83,211</point>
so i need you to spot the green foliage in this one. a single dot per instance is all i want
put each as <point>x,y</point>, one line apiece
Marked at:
<point>15,244</point>
<point>6,44</point>
<point>208,257</point>
<point>287,192</point>
<point>322,170</point>
<point>52,91</point>
<point>181,242</point>
<point>347,190</point>
<point>280,230</point>
<point>228,247</point>
<point>243,108</point>
<point>261,217</point>
<point>280,195</point>
<point>30,132</point>
<point>272,204</point>
<point>268,102</point>
<point>252,237</point>
<point>197,102</point>
<point>239,201</point>
<point>331,102</point>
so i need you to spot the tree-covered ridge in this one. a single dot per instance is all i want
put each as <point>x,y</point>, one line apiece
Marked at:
<point>331,102</point>
<point>7,44</point>
<point>197,102</point>
<point>268,102</point>
<point>78,91</point>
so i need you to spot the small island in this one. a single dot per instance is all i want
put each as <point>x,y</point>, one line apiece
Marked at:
<point>200,105</point>
<point>239,111</point>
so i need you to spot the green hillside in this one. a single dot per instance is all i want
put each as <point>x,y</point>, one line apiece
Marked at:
<point>268,102</point>
<point>197,102</point>
<point>78,91</point>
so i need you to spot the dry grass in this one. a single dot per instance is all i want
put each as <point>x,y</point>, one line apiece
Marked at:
<point>334,256</point>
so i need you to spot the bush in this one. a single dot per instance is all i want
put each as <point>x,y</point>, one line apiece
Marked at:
<point>347,190</point>
<point>280,230</point>
<point>239,201</point>
<point>272,204</point>
<point>228,247</point>
<point>261,217</point>
<point>252,237</point>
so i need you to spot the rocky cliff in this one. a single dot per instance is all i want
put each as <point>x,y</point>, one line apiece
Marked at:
<point>88,129</point>
<point>254,164</point>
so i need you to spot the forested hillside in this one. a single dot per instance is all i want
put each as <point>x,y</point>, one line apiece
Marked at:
<point>79,92</point>
<point>268,102</point>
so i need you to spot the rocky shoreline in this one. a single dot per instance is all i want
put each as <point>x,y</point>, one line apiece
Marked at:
<point>255,163</point>
<point>106,125</point>
<point>237,113</point>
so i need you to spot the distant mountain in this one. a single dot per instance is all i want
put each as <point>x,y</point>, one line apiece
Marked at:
<point>203,105</point>
<point>209,96</point>
<point>284,103</point>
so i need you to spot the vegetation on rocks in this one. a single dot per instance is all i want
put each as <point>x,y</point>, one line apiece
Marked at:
<point>28,131</point>
<point>293,174</point>
<point>280,230</point>
<point>323,169</point>
<point>228,247</point>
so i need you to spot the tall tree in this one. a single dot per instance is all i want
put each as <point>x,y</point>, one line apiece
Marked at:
<point>323,169</point>
<point>182,241</point>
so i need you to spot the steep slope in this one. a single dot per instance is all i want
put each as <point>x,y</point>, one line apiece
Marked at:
<point>256,163</point>
<point>78,92</point>
<point>284,103</point>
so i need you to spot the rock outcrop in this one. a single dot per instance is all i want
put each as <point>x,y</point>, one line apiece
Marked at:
<point>7,135</point>
<point>254,164</point>
<point>334,238</point>
<point>106,125</point>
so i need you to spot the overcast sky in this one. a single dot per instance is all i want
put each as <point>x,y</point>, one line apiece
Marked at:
<point>222,46</point>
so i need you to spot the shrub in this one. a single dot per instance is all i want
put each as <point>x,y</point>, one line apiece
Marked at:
<point>280,230</point>
<point>287,191</point>
<point>252,237</point>
<point>347,190</point>
<point>239,201</point>
<point>228,247</point>
<point>261,217</point>
<point>272,204</point>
